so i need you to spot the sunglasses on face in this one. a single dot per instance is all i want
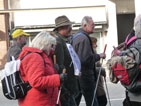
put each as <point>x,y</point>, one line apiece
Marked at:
<point>53,46</point>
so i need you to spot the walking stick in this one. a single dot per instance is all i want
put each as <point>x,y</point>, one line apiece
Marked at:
<point>64,70</point>
<point>54,59</point>
<point>57,103</point>
<point>98,78</point>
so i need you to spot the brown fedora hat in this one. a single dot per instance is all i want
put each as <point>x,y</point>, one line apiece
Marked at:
<point>62,21</point>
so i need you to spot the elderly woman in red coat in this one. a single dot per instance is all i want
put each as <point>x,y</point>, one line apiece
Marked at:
<point>37,69</point>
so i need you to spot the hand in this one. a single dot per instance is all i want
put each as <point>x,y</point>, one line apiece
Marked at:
<point>116,52</point>
<point>102,55</point>
<point>63,77</point>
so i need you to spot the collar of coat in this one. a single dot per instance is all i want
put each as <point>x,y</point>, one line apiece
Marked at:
<point>62,37</point>
<point>82,31</point>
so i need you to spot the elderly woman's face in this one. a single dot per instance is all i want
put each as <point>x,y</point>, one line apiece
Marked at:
<point>53,47</point>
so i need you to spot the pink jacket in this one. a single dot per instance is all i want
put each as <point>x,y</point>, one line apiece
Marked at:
<point>42,77</point>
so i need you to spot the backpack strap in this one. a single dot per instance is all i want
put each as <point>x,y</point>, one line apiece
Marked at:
<point>75,36</point>
<point>27,85</point>
<point>138,38</point>
<point>126,40</point>
<point>25,56</point>
<point>132,39</point>
<point>42,58</point>
<point>34,52</point>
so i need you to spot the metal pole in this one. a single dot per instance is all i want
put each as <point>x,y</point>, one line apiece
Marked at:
<point>96,86</point>
<point>57,103</point>
<point>98,78</point>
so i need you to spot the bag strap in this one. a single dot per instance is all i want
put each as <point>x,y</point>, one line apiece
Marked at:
<point>132,39</point>
<point>34,52</point>
<point>42,58</point>
<point>75,36</point>
<point>25,56</point>
<point>27,85</point>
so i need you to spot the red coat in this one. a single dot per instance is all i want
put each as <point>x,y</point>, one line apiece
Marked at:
<point>42,78</point>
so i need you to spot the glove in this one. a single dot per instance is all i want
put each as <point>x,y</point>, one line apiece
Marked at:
<point>102,55</point>
<point>56,66</point>
<point>63,77</point>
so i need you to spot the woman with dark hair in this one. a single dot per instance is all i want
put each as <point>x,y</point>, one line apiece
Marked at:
<point>101,95</point>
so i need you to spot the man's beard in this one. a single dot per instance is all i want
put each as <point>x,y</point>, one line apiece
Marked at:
<point>23,44</point>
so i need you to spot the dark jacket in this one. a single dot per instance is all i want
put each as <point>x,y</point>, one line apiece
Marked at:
<point>135,97</point>
<point>83,47</point>
<point>64,60</point>
<point>14,50</point>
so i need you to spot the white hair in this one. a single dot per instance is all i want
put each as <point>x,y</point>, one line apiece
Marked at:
<point>137,25</point>
<point>43,41</point>
<point>85,20</point>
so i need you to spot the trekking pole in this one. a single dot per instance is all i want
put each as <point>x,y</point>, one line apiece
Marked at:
<point>107,92</point>
<point>98,78</point>
<point>57,103</point>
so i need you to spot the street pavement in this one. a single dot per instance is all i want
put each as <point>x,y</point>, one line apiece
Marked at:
<point>116,94</point>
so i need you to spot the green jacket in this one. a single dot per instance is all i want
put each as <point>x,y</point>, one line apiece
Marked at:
<point>63,59</point>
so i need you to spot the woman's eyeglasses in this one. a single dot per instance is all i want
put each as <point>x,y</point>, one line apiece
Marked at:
<point>53,46</point>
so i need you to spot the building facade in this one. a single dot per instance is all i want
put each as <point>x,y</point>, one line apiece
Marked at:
<point>113,19</point>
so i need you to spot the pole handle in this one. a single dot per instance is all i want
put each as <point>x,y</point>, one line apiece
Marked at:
<point>64,70</point>
<point>54,59</point>
<point>105,48</point>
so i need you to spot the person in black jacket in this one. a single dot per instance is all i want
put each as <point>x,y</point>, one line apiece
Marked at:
<point>83,46</point>
<point>63,59</point>
<point>134,99</point>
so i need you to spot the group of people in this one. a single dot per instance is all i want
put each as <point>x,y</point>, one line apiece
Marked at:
<point>45,73</point>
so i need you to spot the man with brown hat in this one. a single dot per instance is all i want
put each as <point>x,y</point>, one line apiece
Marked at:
<point>19,40</point>
<point>69,88</point>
